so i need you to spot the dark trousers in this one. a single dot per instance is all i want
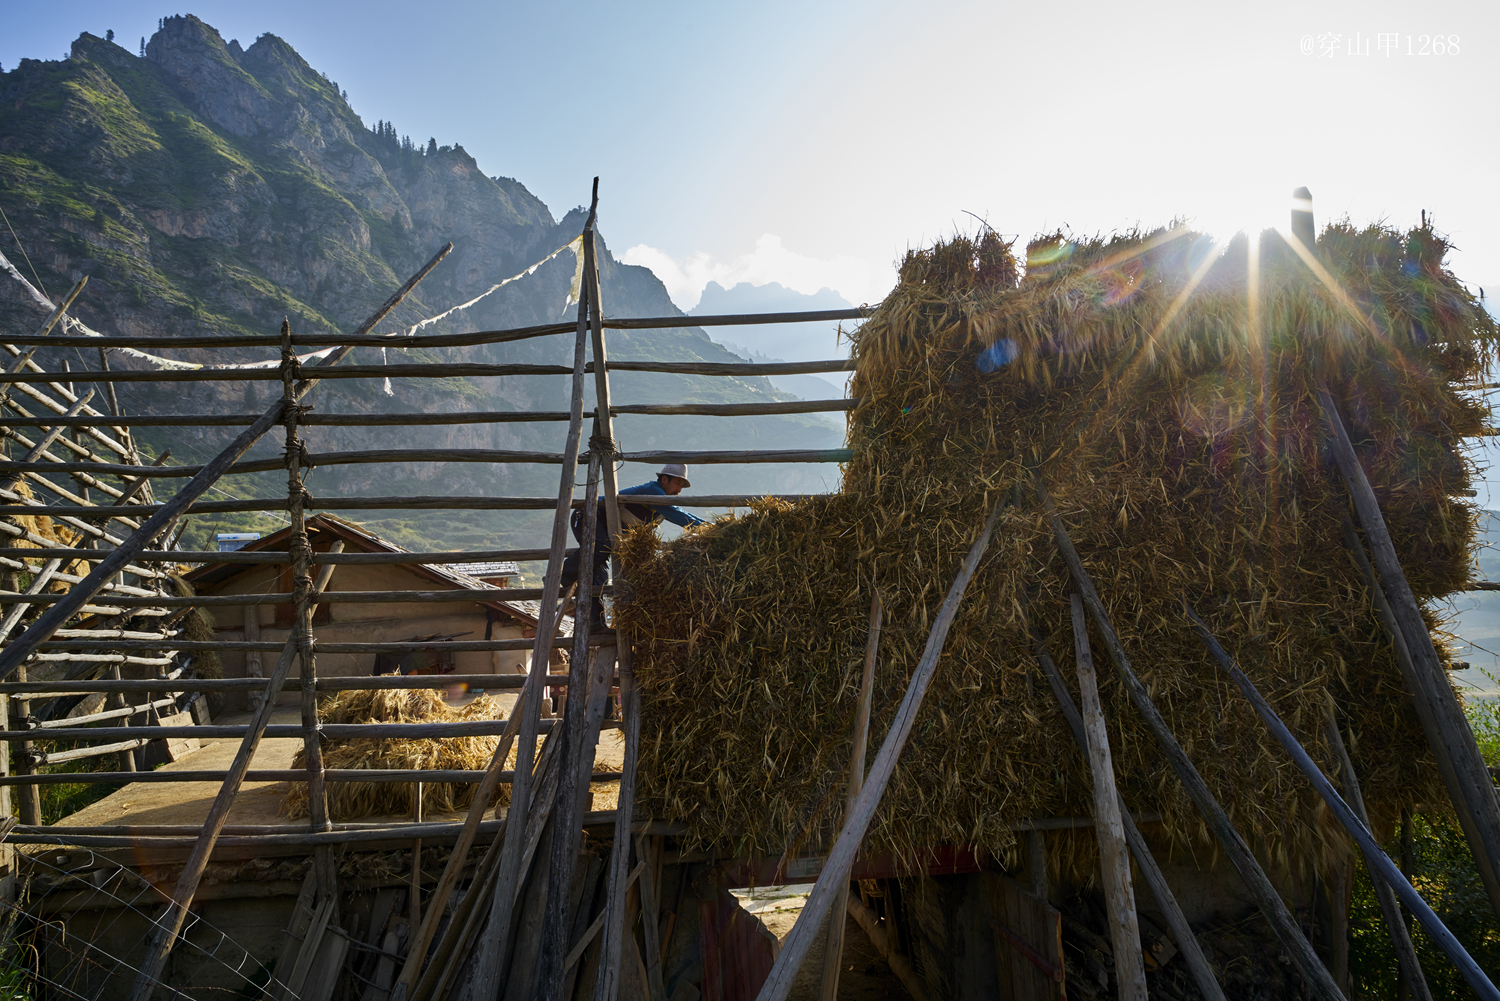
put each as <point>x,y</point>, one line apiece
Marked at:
<point>602,552</point>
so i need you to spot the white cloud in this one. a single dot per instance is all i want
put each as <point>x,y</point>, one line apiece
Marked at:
<point>770,261</point>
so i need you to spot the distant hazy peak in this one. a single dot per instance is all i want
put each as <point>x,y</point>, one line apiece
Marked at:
<point>771,297</point>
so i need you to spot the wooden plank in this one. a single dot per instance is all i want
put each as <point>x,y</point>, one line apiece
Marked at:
<point>833,949</point>
<point>1380,865</point>
<point>836,872</point>
<point>1114,863</point>
<point>648,850</point>
<point>1285,928</point>
<point>1027,935</point>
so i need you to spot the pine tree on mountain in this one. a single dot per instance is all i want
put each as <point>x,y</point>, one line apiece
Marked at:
<point>109,36</point>
<point>432,147</point>
<point>143,46</point>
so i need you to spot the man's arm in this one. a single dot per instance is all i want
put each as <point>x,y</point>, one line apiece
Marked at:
<point>678,516</point>
<point>675,515</point>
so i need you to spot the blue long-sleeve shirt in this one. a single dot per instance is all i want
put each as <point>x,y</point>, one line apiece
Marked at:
<point>675,515</point>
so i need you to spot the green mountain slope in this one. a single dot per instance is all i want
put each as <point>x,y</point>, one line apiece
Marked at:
<point>211,188</point>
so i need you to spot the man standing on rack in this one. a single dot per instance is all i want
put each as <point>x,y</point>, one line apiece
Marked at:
<point>668,483</point>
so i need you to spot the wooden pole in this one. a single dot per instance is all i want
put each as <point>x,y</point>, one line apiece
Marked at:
<point>1406,953</point>
<point>841,860</point>
<point>299,551</point>
<point>1467,778</point>
<point>1283,925</point>
<point>1114,863</point>
<point>1177,922</point>
<point>833,949</point>
<point>509,873</point>
<point>576,762</point>
<point>416,859</point>
<point>607,987</point>
<point>29,800</point>
<point>1381,866</point>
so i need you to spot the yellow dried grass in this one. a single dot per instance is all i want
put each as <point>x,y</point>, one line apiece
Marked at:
<point>1167,400</point>
<point>354,800</point>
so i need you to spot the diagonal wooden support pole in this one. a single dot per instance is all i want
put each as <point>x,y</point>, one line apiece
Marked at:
<point>1381,866</point>
<point>1406,953</point>
<point>1459,761</point>
<point>836,870</point>
<point>1114,863</point>
<point>1283,925</point>
<point>417,950</point>
<point>833,949</point>
<point>495,943</point>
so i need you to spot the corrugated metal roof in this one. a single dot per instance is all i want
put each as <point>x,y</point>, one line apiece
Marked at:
<point>494,568</point>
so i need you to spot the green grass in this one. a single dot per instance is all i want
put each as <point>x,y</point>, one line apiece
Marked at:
<point>1444,873</point>
<point>1484,720</point>
<point>61,800</point>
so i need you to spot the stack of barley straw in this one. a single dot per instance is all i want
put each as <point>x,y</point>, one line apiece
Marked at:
<point>355,800</point>
<point>1166,398</point>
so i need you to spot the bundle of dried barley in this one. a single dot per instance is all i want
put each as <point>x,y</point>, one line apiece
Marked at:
<point>1166,397</point>
<point>353,800</point>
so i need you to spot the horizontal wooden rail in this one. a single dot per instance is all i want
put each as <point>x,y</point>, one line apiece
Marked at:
<point>276,556</point>
<point>467,417</point>
<point>257,775</point>
<point>38,690</point>
<point>431,832</point>
<point>437,340</point>
<point>442,370</point>
<point>331,731</point>
<point>457,594</point>
<point>397,455</point>
<point>53,724</point>
<point>97,751</point>
<point>418,503</point>
<point>267,646</point>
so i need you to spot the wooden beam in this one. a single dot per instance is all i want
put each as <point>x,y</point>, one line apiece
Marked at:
<point>607,987</point>
<point>1114,863</point>
<point>1459,761</point>
<point>833,948</point>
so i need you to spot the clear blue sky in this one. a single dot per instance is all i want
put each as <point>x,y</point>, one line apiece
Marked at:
<point>811,143</point>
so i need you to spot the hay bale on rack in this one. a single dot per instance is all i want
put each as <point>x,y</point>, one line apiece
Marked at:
<point>354,800</point>
<point>1166,398</point>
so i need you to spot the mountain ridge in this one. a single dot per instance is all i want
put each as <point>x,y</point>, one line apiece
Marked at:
<point>211,188</point>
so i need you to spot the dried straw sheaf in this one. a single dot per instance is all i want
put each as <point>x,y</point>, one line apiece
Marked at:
<point>353,800</point>
<point>1166,397</point>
